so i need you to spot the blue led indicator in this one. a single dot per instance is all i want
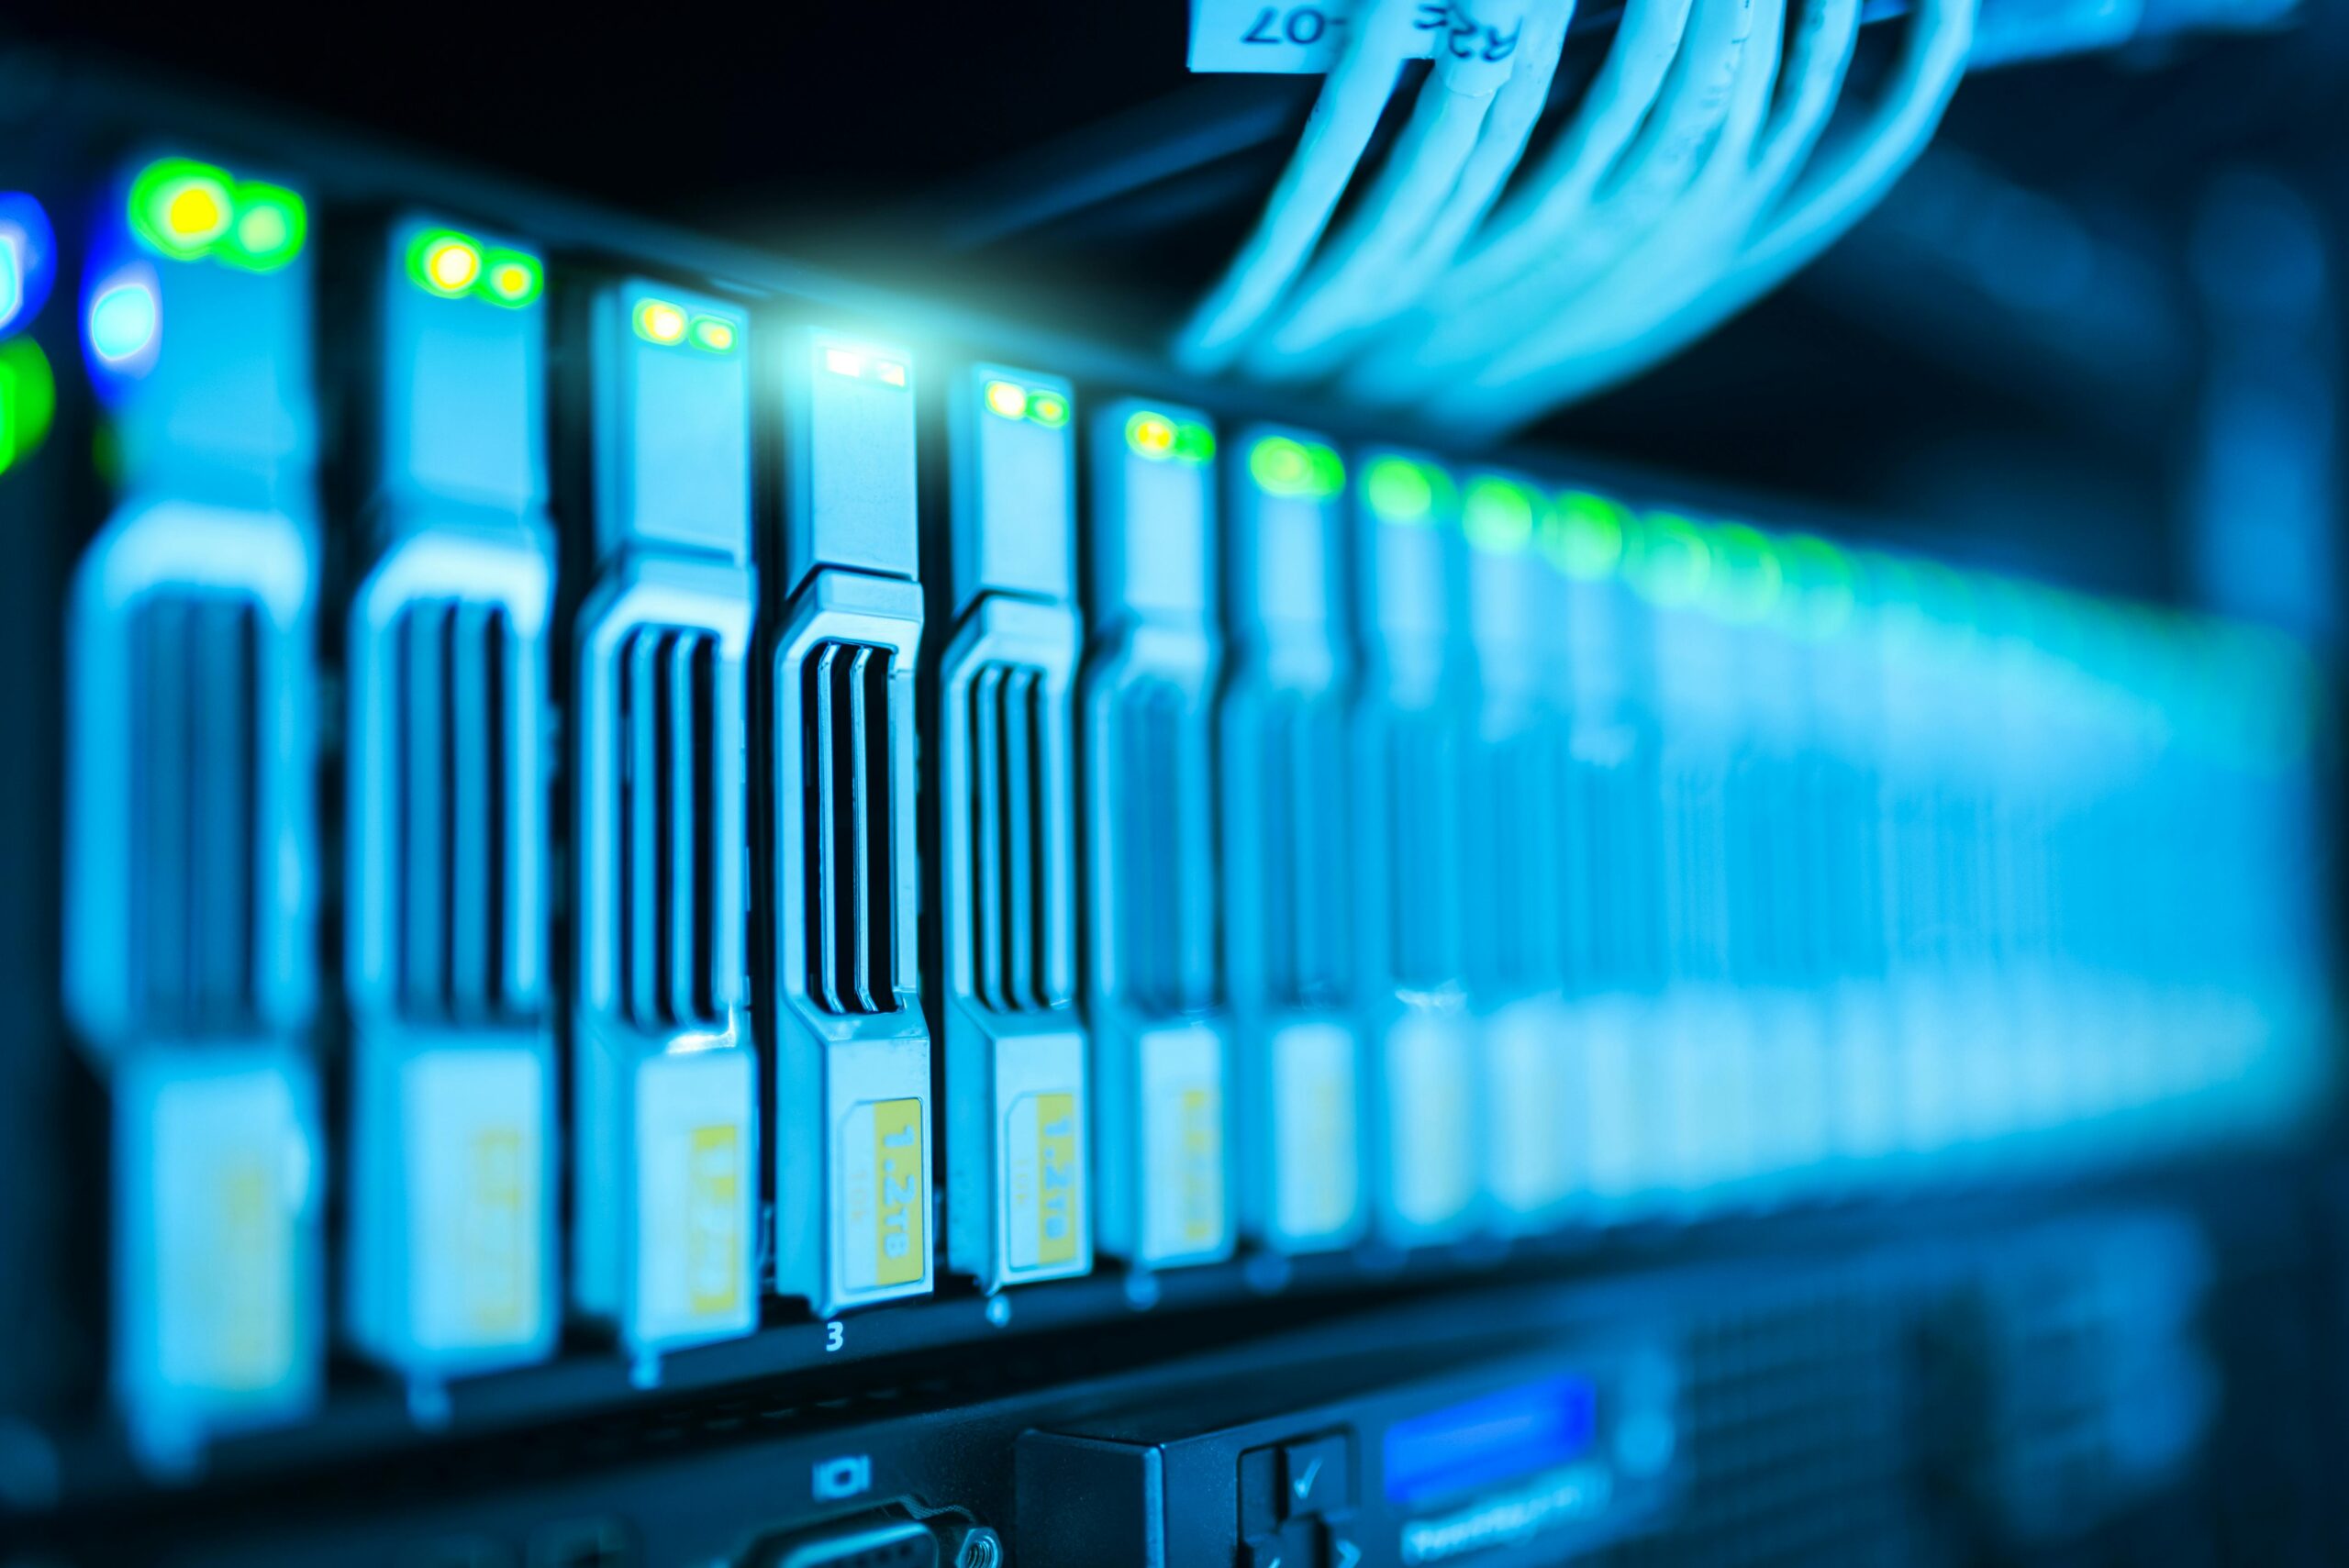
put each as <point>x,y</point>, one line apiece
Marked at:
<point>28,256</point>
<point>125,322</point>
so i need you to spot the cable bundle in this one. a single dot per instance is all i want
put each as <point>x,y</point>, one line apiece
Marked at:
<point>1688,181</point>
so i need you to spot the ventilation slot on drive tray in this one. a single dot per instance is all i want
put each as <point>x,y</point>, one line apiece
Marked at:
<point>1615,936</point>
<point>459,811</point>
<point>667,822</point>
<point>852,873</point>
<point>195,847</point>
<point>1011,912</point>
<point>1521,853</point>
<point>1164,932</point>
<point>1423,835</point>
<point>1302,747</point>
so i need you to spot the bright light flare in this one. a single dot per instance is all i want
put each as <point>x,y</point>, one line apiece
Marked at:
<point>658,321</point>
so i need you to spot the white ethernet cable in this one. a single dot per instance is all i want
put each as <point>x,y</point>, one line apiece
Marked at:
<point>1451,124</point>
<point>1516,111</point>
<point>1820,209</point>
<point>1692,176</point>
<point>1344,118</point>
<point>1630,197</point>
<point>1701,240</point>
<point>1527,224</point>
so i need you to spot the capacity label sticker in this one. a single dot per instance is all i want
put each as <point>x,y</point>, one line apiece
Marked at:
<point>713,1224</point>
<point>883,1200</point>
<point>1045,1176</point>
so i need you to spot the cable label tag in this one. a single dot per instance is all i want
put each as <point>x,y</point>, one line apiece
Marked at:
<point>1305,38</point>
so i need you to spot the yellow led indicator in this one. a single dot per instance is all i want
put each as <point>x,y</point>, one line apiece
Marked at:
<point>497,1242</point>
<point>443,261</point>
<point>453,266</point>
<point>658,321</point>
<point>1008,400</point>
<point>1056,1217</point>
<point>179,207</point>
<point>713,1224</point>
<point>900,1231</point>
<point>844,361</point>
<point>195,214</point>
<point>196,209</point>
<point>1150,434</point>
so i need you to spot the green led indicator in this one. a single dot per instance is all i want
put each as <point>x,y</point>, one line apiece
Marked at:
<point>1401,491</point>
<point>1280,467</point>
<point>511,278</point>
<point>1673,561</point>
<point>1048,410</point>
<point>1746,577</point>
<point>179,207</point>
<point>1497,516</point>
<point>27,400</point>
<point>1821,589</point>
<point>1194,442</point>
<point>711,334</point>
<point>1284,466</point>
<point>262,230</point>
<point>1585,535</point>
<point>1329,468</point>
<point>270,224</point>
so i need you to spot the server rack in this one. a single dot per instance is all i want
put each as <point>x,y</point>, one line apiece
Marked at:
<point>248,1432</point>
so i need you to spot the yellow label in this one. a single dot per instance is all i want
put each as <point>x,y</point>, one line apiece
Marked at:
<point>898,1233</point>
<point>713,1222</point>
<point>1202,1167</point>
<point>1056,1177</point>
<point>499,1243</point>
<point>253,1286</point>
